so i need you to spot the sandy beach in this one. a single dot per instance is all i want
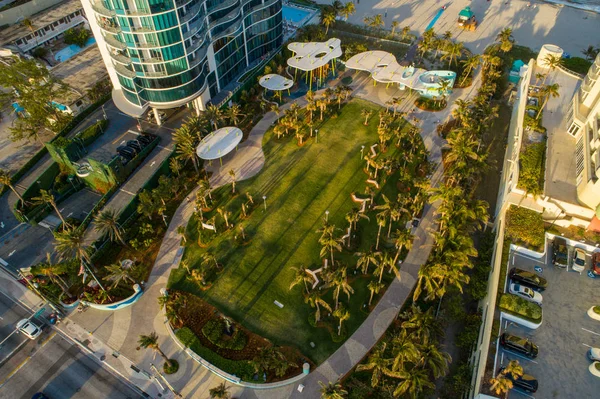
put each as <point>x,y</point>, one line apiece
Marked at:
<point>570,28</point>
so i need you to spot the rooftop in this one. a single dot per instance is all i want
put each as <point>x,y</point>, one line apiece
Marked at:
<point>275,82</point>
<point>313,55</point>
<point>39,20</point>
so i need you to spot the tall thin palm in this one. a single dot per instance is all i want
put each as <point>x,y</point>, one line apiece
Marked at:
<point>402,239</point>
<point>546,92</point>
<point>378,364</point>
<point>365,259</point>
<point>301,276</point>
<point>107,222</point>
<point>332,390</point>
<point>315,300</point>
<point>47,197</point>
<point>151,341</point>
<point>342,314</point>
<point>117,274</point>
<point>6,180</point>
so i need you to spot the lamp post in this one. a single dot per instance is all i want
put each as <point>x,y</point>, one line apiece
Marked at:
<point>326,216</point>
<point>316,135</point>
<point>362,149</point>
<point>265,202</point>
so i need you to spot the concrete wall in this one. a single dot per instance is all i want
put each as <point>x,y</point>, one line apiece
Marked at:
<point>18,13</point>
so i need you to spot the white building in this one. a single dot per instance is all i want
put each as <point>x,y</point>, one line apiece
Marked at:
<point>583,123</point>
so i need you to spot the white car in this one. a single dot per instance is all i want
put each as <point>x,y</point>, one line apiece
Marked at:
<point>578,260</point>
<point>29,328</point>
<point>594,354</point>
<point>525,293</point>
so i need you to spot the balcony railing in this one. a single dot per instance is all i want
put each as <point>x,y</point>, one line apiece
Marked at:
<point>153,60</point>
<point>110,28</point>
<point>181,3</point>
<point>113,42</point>
<point>142,29</point>
<point>226,18</point>
<point>121,70</point>
<point>155,74</point>
<point>100,9</point>
<point>200,57</point>
<point>221,6</point>
<point>195,45</point>
<point>191,13</point>
<point>120,58</point>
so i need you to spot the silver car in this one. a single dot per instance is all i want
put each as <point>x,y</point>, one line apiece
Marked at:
<point>578,260</point>
<point>29,329</point>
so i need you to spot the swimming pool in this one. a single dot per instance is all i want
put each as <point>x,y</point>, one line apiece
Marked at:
<point>71,50</point>
<point>293,14</point>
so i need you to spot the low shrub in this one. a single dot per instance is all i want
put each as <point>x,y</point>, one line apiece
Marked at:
<point>172,368</point>
<point>524,226</point>
<point>214,331</point>
<point>597,309</point>
<point>520,307</point>
<point>430,104</point>
<point>240,368</point>
<point>347,80</point>
<point>77,36</point>
<point>532,168</point>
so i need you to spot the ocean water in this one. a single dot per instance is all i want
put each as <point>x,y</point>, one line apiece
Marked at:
<point>591,5</point>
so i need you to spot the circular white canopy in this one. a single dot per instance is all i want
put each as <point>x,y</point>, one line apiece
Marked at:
<point>219,143</point>
<point>275,82</point>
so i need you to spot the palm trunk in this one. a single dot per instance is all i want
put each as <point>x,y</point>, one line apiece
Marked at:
<point>378,234</point>
<point>397,255</point>
<point>349,234</point>
<point>64,222</point>
<point>371,298</point>
<point>389,228</point>
<point>542,108</point>
<point>17,194</point>
<point>381,274</point>
<point>318,314</point>
<point>306,287</point>
<point>167,361</point>
<point>332,263</point>
<point>340,328</point>
<point>195,164</point>
<point>337,296</point>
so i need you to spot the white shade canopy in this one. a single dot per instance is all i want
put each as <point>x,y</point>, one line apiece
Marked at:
<point>275,82</point>
<point>313,55</point>
<point>219,143</point>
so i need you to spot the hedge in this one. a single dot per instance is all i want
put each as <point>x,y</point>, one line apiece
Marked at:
<point>520,307</point>
<point>525,227</point>
<point>214,329</point>
<point>532,169</point>
<point>67,129</point>
<point>241,368</point>
<point>577,64</point>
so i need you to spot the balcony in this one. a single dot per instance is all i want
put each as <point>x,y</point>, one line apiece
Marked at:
<point>195,45</point>
<point>226,18</point>
<point>191,13</point>
<point>142,29</point>
<point>113,42</point>
<point>200,57</point>
<point>121,70</point>
<point>150,60</point>
<point>102,10</point>
<point>221,6</point>
<point>181,3</point>
<point>594,71</point>
<point>198,26</point>
<point>227,32</point>
<point>155,74</point>
<point>110,28</point>
<point>120,58</point>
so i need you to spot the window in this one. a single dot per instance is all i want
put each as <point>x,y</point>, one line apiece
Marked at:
<point>574,129</point>
<point>579,157</point>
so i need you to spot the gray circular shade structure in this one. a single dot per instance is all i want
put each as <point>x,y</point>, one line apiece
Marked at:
<point>275,82</point>
<point>219,143</point>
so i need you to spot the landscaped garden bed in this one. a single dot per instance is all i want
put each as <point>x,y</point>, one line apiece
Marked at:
<point>521,308</point>
<point>525,227</point>
<point>265,244</point>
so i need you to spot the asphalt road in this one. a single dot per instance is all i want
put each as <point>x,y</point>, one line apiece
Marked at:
<point>10,314</point>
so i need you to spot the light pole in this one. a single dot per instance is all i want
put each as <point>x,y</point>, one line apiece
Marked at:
<point>104,112</point>
<point>265,202</point>
<point>362,149</point>
<point>326,216</point>
<point>316,135</point>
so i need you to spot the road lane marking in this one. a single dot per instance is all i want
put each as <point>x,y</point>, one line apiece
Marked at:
<point>590,331</point>
<point>119,138</point>
<point>586,345</point>
<point>521,356</point>
<point>27,359</point>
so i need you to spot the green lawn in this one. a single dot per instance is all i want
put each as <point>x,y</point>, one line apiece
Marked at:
<point>300,183</point>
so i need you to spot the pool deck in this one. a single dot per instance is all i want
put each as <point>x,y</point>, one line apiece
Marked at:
<point>83,70</point>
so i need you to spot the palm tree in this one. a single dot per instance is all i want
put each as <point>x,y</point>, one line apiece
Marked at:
<point>117,274</point>
<point>413,382</point>
<point>181,232</point>
<point>434,360</point>
<point>469,64</point>
<point>225,214</point>
<point>395,25</point>
<point>148,205</point>
<point>506,39</point>
<point>552,62</point>
<point>387,261</point>
<point>381,220</point>
<point>333,390</point>
<point>500,384</point>
<point>6,181</point>
<point>301,276</point>
<point>232,175</point>
<point>367,114</point>
<point>29,25</point>
<point>374,286</point>
<point>233,113</point>
<point>204,186</point>
<point>377,22</point>
<point>403,239</point>
<point>327,18</point>
<point>339,280</point>
<point>453,51</point>
<point>342,314</point>
<point>221,391</point>
<point>315,301</point>
<point>329,242</point>
<point>546,92</point>
<point>214,115</point>
<point>322,105</point>
<point>151,341</point>
<point>405,32</point>
<point>53,271</point>
<point>46,197</point>
<point>378,364</point>
<point>366,258</point>
<point>513,368</point>
<point>107,222</point>
<point>404,350</point>
<point>348,9</point>
<point>185,145</point>
<point>422,324</point>
<point>352,218</point>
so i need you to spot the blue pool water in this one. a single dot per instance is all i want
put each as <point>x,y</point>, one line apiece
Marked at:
<point>434,20</point>
<point>293,14</point>
<point>71,50</point>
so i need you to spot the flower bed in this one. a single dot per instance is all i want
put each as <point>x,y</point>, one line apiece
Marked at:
<point>214,331</point>
<point>520,307</point>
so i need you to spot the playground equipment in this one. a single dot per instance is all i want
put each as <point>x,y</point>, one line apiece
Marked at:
<point>466,19</point>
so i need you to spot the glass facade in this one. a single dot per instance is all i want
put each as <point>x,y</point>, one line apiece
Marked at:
<point>160,48</point>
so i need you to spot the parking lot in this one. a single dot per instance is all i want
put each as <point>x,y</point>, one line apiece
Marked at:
<point>566,333</point>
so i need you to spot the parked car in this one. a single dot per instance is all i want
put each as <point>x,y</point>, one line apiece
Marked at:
<point>29,328</point>
<point>578,260</point>
<point>526,382</point>
<point>528,279</point>
<point>525,293</point>
<point>145,139</point>
<point>594,354</point>
<point>126,152</point>
<point>596,263</point>
<point>136,145</point>
<point>519,344</point>
<point>40,395</point>
<point>560,252</point>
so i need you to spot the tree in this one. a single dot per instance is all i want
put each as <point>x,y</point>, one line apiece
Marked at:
<point>348,9</point>
<point>221,391</point>
<point>270,358</point>
<point>402,239</point>
<point>37,89</point>
<point>367,114</point>
<point>181,232</point>
<point>332,390</point>
<point>77,36</point>
<point>26,22</point>
<point>47,197</point>
<point>546,92</point>
<point>506,39</point>
<point>413,382</point>
<point>453,51</point>
<point>378,364</point>
<point>381,220</point>
<point>405,32</point>
<point>301,276</point>
<point>214,115</point>
<point>342,314</point>
<point>6,180</point>
<point>552,62</point>
<point>233,113</point>
<point>151,341</point>
<point>315,301</point>
<point>501,384</point>
<point>53,271</point>
<point>327,18</point>
<point>374,286</point>
<point>232,175</point>
<point>366,258</point>
<point>185,145</point>
<point>148,205</point>
<point>387,261</point>
<point>591,53</point>
<point>330,244</point>
<point>376,22</point>
<point>395,25</point>
<point>434,360</point>
<point>107,222</point>
<point>469,64</point>
<point>117,274</point>
<point>352,218</point>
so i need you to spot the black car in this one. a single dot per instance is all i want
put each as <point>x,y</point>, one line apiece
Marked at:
<point>518,344</point>
<point>525,382</point>
<point>126,152</point>
<point>136,145</point>
<point>145,139</point>
<point>528,279</point>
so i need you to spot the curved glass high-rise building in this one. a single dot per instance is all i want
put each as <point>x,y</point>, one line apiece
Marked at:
<point>166,53</point>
